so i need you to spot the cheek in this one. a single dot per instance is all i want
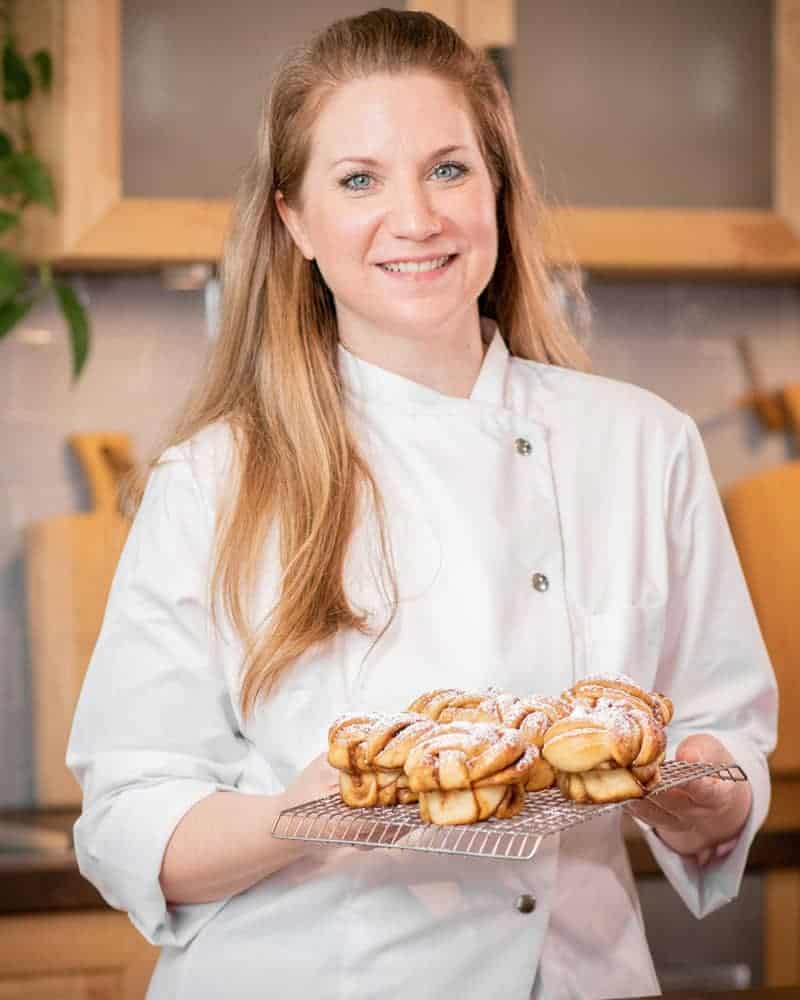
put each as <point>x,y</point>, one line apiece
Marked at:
<point>343,237</point>
<point>477,217</point>
<point>483,231</point>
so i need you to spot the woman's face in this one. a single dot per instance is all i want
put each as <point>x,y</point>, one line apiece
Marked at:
<point>396,180</point>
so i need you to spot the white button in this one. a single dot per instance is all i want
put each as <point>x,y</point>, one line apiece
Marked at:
<point>540,582</point>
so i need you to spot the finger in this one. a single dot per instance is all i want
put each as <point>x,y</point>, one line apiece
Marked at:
<point>724,849</point>
<point>702,748</point>
<point>656,816</point>
<point>703,794</point>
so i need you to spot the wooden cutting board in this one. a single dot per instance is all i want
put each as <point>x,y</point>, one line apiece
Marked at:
<point>70,562</point>
<point>764,515</point>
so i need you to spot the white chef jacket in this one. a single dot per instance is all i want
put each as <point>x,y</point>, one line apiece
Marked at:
<point>599,487</point>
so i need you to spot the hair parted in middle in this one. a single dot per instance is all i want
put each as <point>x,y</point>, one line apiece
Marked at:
<point>272,376</point>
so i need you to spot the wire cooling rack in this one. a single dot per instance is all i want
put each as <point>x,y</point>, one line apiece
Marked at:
<point>330,821</point>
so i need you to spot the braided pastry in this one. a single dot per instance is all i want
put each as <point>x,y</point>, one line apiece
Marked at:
<point>433,703</point>
<point>466,772</point>
<point>617,688</point>
<point>369,752</point>
<point>606,753</point>
<point>531,716</point>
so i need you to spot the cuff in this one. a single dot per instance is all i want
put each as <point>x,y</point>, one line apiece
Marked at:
<point>705,889</point>
<point>122,856</point>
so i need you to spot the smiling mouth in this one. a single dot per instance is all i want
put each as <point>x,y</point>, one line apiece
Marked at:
<point>418,267</point>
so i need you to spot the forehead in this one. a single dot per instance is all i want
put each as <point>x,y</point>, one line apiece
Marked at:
<point>381,114</point>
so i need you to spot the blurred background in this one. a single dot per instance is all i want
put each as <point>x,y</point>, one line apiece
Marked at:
<point>664,136</point>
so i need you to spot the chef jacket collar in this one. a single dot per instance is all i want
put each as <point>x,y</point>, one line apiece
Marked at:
<point>371,382</point>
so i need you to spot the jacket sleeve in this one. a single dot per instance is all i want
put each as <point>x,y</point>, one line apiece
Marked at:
<point>154,730</point>
<point>714,663</point>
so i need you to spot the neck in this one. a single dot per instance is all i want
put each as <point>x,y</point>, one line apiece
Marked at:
<point>447,359</point>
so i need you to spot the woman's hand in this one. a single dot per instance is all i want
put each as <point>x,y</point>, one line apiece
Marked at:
<point>315,781</point>
<point>702,818</point>
<point>222,846</point>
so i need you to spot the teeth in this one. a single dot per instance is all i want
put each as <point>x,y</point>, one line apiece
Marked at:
<point>414,266</point>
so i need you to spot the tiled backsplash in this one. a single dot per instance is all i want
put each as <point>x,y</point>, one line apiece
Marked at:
<point>677,339</point>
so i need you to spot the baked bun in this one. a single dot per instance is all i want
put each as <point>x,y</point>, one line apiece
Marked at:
<point>369,752</point>
<point>531,717</point>
<point>433,703</point>
<point>466,772</point>
<point>606,753</point>
<point>615,687</point>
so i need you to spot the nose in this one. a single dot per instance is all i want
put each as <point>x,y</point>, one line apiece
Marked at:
<point>412,214</point>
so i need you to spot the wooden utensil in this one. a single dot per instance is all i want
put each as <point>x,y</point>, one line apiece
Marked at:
<point>764,515</point>
<point>70,562</point>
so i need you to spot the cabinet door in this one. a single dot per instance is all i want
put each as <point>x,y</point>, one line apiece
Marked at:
<point>81,955</point>
<point>126,200</point>
<point>193,77</point>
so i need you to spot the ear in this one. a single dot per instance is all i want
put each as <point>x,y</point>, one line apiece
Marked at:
<point>293,222</point>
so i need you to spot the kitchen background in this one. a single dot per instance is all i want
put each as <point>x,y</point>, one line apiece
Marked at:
<point>699,130</point>
<point>676,338</point>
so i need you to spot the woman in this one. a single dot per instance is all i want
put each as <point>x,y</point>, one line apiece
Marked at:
<point>399,475</point>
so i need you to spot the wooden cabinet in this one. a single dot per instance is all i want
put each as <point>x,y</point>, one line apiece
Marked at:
<point>80,955</point>
<point>80,131</point>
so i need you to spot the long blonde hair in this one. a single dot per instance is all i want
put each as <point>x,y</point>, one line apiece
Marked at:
<point>273,376</point>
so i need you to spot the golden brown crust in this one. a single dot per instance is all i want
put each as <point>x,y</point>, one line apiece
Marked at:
<point>531,716</point>
<point>540,714</point>
<point>459,754</point>
<point>344,734</point>
<point>471,805</point>
<point>369,751</point>
<point>468,755</point>
<point>607,750</point>
<point>466,772</point>
<point>433,703</point>
<point>600,786</point>
<point>590,690</point>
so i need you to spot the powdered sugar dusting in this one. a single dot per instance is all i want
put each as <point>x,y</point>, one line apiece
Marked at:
<point>609,677</point>
<point>373,722</point>
<point>605,713</point>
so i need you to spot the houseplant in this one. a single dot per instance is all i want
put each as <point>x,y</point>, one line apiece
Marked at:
<point>25,180</point>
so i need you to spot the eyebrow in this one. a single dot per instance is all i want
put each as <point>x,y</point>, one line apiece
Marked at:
<point>369,161</point>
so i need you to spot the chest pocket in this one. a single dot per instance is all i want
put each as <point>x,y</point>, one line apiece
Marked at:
<point>625,641</point>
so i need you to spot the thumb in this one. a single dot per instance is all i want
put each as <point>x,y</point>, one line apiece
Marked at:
<point>691,749</point>
<point>700,748</point>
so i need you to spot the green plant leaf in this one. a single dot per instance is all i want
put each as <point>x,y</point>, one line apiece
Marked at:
<point>6,145</point>
<point>11,313</point>
<point>8,220</point>
<point>17,82</point>
<point>32,176</point>
<point>78,323</point>
<point>12,277</point>
<point>9,181</point>
<point>43,62</point>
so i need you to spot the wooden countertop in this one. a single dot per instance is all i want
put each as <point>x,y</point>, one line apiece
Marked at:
<point>33,882</point>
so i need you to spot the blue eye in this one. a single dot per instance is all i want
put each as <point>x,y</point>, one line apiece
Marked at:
<point>346,182</point>
<point>450,166</point>
<point>361,181</point>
